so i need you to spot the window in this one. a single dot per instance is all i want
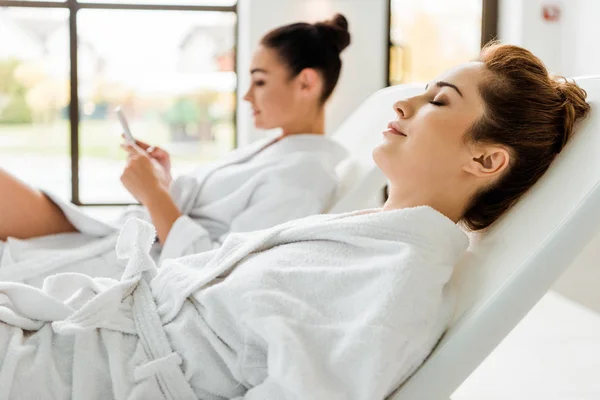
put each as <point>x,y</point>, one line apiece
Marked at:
<point>428,37</point>
<point>169,65</point>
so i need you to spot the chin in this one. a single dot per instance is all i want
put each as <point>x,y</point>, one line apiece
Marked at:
<point>259,124</point>
<point>378,155</point>
<point>384,160</point>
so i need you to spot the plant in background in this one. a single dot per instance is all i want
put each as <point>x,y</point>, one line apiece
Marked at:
<point>183,113</point>
<point>13,104</point>
<point>189,118</point>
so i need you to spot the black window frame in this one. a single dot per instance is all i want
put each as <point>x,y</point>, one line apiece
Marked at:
<point>74,6</point>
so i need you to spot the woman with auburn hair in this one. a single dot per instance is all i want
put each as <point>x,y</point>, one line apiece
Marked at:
<point>327,307</point>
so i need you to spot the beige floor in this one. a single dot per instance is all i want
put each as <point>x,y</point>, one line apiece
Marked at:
<point>554,353</point>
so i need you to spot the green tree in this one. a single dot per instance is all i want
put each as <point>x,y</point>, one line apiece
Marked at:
<point>13,106</point>
<point>180,116</point>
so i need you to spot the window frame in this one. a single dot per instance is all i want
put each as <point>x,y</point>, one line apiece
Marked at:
<point>74,6</point>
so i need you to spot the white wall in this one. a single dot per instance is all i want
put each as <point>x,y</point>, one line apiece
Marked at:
<point>363,70</point>
<point>582,34</point>
<point>520,22</point>
<point>510,21</point>
<point>568,46</point>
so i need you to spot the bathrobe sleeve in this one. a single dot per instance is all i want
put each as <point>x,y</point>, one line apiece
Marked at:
<point>270,204</point>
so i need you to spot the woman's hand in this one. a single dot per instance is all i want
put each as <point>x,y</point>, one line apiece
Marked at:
<point>160,155</point>
<point>144,177</point>
<point>147,177</point>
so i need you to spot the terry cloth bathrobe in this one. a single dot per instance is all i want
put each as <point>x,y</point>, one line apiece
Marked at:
<point>327,307</point>
<point>253,188</point>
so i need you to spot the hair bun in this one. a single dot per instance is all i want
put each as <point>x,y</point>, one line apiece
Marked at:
<point>339,21</point>
<point>574,106</point>
<point>335,30</point>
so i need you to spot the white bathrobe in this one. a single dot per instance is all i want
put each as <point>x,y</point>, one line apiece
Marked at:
<point>328,307</point>
<point>250,189</point>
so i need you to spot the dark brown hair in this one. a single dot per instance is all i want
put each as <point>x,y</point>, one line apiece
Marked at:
<point>532,114</point>
<point>317,46</point>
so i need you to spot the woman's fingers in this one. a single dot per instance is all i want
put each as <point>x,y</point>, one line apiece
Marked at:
<point>133,150</point>
<point>143,145</point>
<point>128,148</point>
<point>159,154</point>
<point>139,143</point>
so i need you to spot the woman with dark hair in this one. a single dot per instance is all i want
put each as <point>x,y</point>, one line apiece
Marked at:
<point>327,307</point>
<point>294,71</point>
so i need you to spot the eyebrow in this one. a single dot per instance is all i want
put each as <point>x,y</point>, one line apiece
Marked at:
<point>257,70</point>
<point>445,84</point>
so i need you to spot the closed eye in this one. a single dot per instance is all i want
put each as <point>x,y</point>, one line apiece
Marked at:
<point>437,103</point>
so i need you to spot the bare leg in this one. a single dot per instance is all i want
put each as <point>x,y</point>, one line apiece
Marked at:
<point>26,212</point>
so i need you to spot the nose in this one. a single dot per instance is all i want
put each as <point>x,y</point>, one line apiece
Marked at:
<point>403,109</point>
<point>248,96</point>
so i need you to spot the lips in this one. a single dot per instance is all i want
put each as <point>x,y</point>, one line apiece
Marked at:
<point>394,129</point>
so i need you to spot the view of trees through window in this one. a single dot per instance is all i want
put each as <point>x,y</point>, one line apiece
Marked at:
<point>172,72</point>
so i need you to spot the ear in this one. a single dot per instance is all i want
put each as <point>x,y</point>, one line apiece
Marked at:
<point>310,81</point>
<point>488,162</point>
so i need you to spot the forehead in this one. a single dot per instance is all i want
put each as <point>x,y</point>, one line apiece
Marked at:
<point>267,59</point>
<point>467,77</point>
<point>473,71</point>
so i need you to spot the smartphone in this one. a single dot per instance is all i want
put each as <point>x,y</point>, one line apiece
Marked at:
<point>129,139</point>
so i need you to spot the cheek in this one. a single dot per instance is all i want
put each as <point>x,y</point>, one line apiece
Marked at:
<point>272,100</point>
<point>423,157</point>
<point>277,107</point>
<point>438,137</point>
<point>437,158</point>
<point>433,152</point>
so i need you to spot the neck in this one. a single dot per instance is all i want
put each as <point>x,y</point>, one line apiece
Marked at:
<point>314,123</point>
<point>450,203</point>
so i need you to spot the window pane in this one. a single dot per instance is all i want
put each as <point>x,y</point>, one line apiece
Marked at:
<point>431,36</point>
<point>175,2</point>
<point>175,84</point>
<point>34,97</point>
